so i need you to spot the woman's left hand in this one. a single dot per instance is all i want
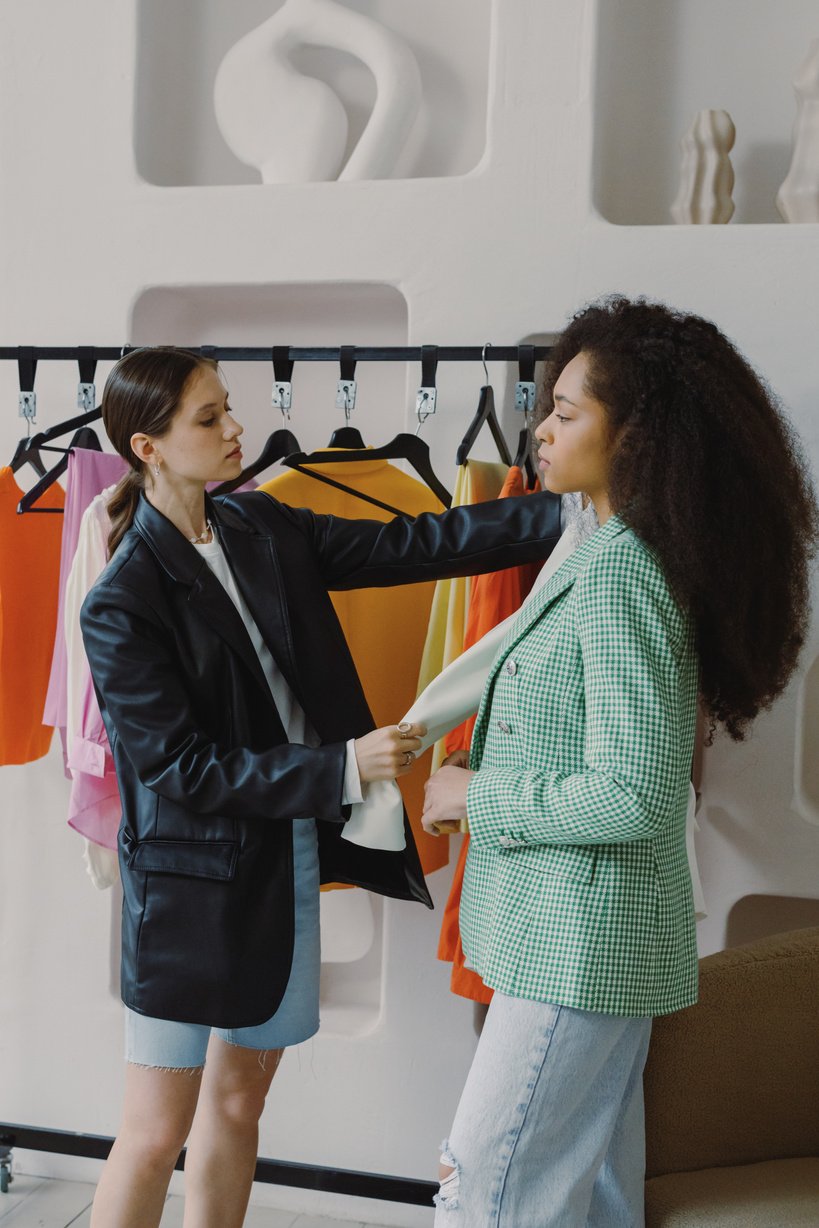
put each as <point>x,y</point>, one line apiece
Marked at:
<point>445,800</point>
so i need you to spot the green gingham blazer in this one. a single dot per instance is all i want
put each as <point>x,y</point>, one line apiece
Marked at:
<point>576,888</point>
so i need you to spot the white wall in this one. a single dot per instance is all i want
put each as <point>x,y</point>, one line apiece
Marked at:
<point>90,252</point>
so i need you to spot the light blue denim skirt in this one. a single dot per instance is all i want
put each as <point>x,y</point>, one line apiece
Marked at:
<point>170,1045</point>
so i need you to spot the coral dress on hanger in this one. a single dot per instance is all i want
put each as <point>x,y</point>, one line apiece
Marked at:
<point>493,598</point>
<point>29,583</point>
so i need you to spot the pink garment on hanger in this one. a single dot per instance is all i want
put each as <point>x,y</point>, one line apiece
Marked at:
<point>94,807</point>
<point>88,473</point>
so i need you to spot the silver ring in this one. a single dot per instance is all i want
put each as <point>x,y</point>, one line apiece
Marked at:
<point>405,729</point>
<point>409,757</point>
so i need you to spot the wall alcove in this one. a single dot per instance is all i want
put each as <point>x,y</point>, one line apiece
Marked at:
<point>657,65</point>
<point>314,314</point>
<point>318,314</point>
<point>180,47</point>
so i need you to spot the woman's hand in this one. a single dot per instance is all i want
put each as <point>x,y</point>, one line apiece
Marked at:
<point>389,752</point>
<point>445,798</point>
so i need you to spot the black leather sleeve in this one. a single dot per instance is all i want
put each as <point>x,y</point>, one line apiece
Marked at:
<point>463,541</point>
<point>148,711</point>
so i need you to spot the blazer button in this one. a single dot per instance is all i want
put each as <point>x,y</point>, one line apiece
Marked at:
<point>504,728</point>
<point>511,667</point>
<point>505,842</point>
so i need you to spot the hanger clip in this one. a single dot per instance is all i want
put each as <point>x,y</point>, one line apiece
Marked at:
<point>525,391</point>
<point>27,402</point>
<point>282,396</point>
<point>282,385</point>
<point>425,403</point>
<point>525,395</point>
<point>86,396</point>
<point>427,396</point>
<point>345,395</point>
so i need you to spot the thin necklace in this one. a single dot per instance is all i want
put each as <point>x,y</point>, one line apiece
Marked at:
<point>204,537</point>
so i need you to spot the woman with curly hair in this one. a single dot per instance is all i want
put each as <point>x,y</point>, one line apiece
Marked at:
<point>577,906</point>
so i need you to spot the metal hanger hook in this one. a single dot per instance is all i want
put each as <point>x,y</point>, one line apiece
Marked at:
<point>422,413</point>
<point>486,346</point>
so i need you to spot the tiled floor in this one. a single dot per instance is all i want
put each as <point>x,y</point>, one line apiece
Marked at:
<point>37,1202</point>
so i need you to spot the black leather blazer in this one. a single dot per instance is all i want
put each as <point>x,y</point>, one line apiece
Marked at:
<point>210,786</point>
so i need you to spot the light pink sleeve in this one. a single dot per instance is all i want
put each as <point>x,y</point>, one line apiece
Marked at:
<point>94,805</point>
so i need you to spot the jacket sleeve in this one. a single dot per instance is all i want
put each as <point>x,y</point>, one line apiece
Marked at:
<point>630,632</point>
<point>463,541</point>
<point>149,712</point>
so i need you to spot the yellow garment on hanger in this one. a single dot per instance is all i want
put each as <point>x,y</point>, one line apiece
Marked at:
<point>384,627</point>
<point>476,482</point>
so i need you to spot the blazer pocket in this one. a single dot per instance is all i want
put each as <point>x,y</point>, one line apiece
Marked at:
<point>191,858</point>
<point>576,862</point>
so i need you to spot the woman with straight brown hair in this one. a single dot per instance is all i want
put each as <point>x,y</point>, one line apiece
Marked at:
<point>241,737</point>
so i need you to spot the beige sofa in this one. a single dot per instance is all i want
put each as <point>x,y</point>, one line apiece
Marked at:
<point>732,1093</point>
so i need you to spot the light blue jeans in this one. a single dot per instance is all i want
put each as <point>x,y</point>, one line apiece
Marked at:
<point>549,1132</point>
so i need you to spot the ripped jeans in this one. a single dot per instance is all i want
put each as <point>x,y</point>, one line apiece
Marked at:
<point>549,1132</point>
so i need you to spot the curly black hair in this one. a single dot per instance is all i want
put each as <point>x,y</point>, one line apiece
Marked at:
<point>709,472</point>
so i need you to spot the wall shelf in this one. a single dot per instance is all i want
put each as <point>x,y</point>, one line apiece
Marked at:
<point>657,65</point>
<point>180,47</point>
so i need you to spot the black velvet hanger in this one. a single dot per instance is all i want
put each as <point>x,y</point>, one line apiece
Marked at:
<point>346,437</point>
<point>525,396</point>
<point>26,454</point>
<point>484,414</point>
<point>403,447</point>
<point>85,437</point>
<point>280,444</point>
<point>523,458</point>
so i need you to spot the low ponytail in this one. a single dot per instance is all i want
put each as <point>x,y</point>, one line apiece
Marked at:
<point>141,396</point>
<point>122,507</point>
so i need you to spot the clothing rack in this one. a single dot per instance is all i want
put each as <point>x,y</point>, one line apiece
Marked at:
<point>283,358</point>
<point>381,1186</point>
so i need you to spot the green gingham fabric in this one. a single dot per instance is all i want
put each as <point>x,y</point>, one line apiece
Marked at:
<point>576,888</point>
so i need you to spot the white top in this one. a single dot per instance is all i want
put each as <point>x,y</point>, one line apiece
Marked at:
<point>293,718</point>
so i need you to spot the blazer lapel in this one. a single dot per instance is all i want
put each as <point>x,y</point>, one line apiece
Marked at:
<point>207,596</point>
<point>252,554</point>
<point>564,577</point>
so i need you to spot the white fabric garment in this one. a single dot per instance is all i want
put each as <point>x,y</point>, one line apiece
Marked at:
<point>101,864</point>
<point>293,717</point>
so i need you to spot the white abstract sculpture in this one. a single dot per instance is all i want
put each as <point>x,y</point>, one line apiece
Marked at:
<point>706,173</point>
<point>293,128</point>
<point>798,198</point>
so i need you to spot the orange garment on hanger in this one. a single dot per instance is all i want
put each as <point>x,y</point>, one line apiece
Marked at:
<point>384,627</point>
<point>493,597</point>
<point>29,581</point>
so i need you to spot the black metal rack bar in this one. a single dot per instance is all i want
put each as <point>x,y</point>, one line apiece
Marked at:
<point>271,1172</point>
<point>243,353</point>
